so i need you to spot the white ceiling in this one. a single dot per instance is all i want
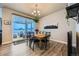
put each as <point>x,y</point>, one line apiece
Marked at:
<point>45,8</point>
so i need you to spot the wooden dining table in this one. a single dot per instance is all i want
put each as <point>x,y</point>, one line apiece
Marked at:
<point>40,37</point>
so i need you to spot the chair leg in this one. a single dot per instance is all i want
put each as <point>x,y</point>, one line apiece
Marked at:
<point>29,44</point>
<point>46,45</point>
<point>38,44</point>
<point>33,46</point>
<point>49,44</point>
<point>27,41</point>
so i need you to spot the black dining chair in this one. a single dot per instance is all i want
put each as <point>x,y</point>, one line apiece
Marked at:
<point>47,33</point>
<point>28,36</point>
<point>45,41</point>
<point>34,40</point>
<point>43,32</point>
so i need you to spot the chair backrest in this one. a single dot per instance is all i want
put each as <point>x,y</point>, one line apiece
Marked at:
<point>15,35</point>
<point>43,32</point>
<point>21,33</point>
<point>46,38</point>
<point>48,33</point>
<point>30,34</point>
<point>39,32</point>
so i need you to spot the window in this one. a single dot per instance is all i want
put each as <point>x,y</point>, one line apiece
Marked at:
<point>22,25</point>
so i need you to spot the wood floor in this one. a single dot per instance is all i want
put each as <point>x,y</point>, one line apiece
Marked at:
<point>56,49</point>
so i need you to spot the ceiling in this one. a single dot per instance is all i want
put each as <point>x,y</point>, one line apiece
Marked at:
<point>45,8</point>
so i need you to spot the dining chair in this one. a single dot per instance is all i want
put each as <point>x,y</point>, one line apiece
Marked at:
<point>40,32</point>
<point>45,41</point>
<point>34,40</point>
<point>43,32</point>
<point>47,33</point>
<point>28,36</point>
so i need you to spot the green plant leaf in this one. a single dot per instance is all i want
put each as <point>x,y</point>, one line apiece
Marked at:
<point>36,19</point>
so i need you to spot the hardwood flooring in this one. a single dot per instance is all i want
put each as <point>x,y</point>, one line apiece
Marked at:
<point>55,49</point>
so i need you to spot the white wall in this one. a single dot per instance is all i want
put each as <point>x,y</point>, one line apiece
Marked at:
<point>55,18</point>
<point>58,17</point>
<point>0,18</point>
<point>72,26</point>
<point>0,12</point>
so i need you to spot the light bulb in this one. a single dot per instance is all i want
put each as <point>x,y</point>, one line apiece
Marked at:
<point>34,11</point>
<point>38,11</point>
<point>38,14</point>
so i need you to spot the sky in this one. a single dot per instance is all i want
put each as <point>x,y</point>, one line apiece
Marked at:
<point>19,24</point>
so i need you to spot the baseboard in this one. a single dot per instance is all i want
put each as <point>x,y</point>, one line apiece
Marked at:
<point>74,45</point>
<point>18,39</point>
<point>6,42</point>
<point>60,41</point>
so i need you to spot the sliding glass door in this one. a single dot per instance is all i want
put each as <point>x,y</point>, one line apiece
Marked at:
<point>22,25</point>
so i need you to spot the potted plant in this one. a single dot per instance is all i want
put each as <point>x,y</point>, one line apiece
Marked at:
<point>36,30</point>
<point>36,19</point>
